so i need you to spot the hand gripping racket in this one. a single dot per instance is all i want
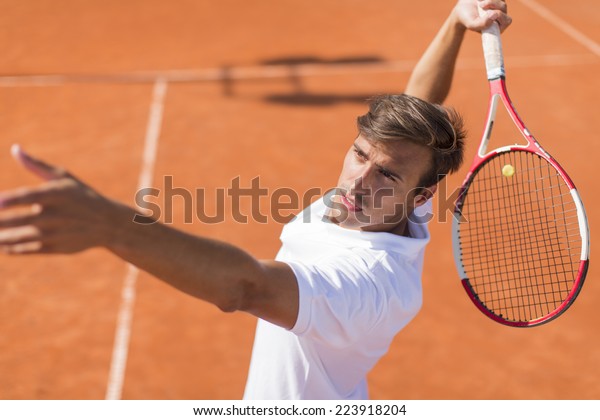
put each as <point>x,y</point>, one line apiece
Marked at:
<point>520,233</point>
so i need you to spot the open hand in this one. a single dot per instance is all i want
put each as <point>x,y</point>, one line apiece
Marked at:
<point>62,215</point>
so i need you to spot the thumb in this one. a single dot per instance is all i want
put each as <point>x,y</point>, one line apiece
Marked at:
<point>483,21</point>
<point>37,167</point>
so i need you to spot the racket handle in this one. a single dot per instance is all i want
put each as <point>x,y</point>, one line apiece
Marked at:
<point>492,49</point>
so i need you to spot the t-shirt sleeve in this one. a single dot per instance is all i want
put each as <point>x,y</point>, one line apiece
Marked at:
<point>343,298</point>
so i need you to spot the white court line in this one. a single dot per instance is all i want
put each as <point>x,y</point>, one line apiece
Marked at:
<point>567,28</point>
<point>123,331</point>
<point>280,71</point>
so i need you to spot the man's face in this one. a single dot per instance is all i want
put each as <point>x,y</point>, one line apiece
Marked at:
<point>377,189</point>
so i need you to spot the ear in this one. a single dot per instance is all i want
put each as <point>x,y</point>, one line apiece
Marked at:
<point>424,195</point>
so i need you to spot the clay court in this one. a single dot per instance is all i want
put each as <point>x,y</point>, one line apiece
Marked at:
<point>125,94</point>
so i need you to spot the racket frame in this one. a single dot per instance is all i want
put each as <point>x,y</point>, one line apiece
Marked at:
<point>498,93</point>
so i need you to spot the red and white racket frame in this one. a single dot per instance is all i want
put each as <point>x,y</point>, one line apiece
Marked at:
<point>494,61</point>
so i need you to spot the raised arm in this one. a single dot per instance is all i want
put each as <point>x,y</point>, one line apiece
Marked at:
<point>432,76</point>
<point>64,216</point>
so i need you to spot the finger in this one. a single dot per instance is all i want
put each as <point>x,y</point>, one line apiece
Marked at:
<point>27,248</point>
<point>492,16</point>
<point>27,196</point>
<point>495,11</point>
<point>19,235</point>
<point>36,166</point>
<point>49,242</point>
<point>480,22</point>
<point>493,5</point>
<point>504,21</point>
<point>21,218</point>
<point>21,197</point>
<point>47,193</point>
<point>497,16</point>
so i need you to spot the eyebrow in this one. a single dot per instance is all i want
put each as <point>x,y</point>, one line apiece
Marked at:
<point>381,167</point>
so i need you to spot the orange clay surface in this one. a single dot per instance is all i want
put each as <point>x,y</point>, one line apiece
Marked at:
<point>271,89</point>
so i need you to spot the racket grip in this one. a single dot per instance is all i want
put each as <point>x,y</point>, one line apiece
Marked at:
<point>492,50</point>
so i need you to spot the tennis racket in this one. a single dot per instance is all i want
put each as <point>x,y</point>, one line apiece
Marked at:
<point>520,233</point>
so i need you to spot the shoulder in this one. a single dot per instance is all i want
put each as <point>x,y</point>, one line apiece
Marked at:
<point>352,292</point>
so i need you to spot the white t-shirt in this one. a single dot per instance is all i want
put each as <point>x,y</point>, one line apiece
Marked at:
<point>357,290</point>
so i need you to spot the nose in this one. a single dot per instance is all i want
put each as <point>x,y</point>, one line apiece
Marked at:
<point>362,185</point>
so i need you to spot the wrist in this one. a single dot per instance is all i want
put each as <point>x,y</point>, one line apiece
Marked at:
<point>117,225</point>
<point>455,22</point>
<point>129,229</point>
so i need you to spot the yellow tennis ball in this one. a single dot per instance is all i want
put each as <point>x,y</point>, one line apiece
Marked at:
<point>508,170</point>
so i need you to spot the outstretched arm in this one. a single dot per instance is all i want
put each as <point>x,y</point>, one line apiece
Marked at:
<point>64,215</point>
<point>432,76</point>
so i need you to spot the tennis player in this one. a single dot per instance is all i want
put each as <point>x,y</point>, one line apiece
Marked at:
<point>348,276</point>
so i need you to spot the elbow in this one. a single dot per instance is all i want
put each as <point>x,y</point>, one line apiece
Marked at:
<point>227,306</point>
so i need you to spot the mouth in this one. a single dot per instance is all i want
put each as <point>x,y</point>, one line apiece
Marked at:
<point>351,205</point>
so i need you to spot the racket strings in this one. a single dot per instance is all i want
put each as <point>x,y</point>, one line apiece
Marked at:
<point>557,209</point>
<point>570,226</point>
<point>525,289</point>
<point>473,244</point>
<point>519,237</point>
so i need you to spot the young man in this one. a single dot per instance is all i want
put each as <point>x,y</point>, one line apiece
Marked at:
<point>347,277</point>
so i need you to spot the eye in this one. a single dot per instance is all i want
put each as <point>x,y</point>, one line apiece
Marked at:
<point>360,155</point>
<point>387,175</point>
